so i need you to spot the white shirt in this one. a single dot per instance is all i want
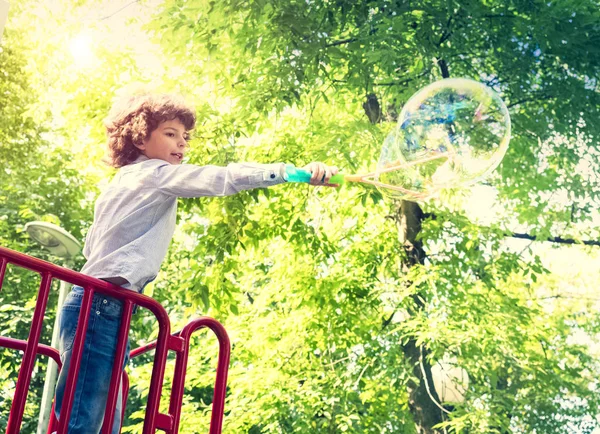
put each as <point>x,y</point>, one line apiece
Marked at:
<point>134,218</point>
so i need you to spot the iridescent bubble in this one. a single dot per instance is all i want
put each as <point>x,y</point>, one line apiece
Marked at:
<point>451,133</point>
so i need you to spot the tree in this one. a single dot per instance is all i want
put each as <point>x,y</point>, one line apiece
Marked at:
<point>46,172</point>
<point>270,59</point>
<point>338,303</point>
<point>36,183</point>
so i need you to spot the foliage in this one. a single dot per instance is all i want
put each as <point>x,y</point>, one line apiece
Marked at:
<point>311,284</point>
<point>292,67</point>
<point>36,183</point>
<point>41,177</point>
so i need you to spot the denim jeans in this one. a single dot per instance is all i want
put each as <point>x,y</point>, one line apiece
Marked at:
<point>96,362</point>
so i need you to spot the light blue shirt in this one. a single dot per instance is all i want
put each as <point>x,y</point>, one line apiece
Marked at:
<point>134,217</point>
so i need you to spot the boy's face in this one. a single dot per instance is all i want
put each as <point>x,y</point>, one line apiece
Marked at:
<point>167,142</point>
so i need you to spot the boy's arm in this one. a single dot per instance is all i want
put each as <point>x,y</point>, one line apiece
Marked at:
<point>188,180</point>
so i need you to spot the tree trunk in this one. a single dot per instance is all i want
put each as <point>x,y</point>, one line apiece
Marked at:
<point>409,215</point>
<point>425,411</point>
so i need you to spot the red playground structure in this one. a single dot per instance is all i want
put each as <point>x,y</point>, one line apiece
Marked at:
<point>178,343</point>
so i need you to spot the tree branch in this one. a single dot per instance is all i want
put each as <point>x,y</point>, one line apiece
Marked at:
<point>500,16</point>
<point>402,82</point>
<point>568,297</point>
<point>443,68</point>
<point>341,42</point>
<point>387,321</point>
<point>534,98</point>
<point>115,13</point>
<point>446,33</point>
<point>558,240</point>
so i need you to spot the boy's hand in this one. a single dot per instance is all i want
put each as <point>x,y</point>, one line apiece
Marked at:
<point>321,173</point>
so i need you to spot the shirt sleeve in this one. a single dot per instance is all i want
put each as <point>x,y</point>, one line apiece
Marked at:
<point>188,180</point>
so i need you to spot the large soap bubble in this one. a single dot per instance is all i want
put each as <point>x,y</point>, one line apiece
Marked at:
<point>451,133</point>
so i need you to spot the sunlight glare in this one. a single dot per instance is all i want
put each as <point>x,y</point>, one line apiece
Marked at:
<point>3,15</point>
<point>81,50</point>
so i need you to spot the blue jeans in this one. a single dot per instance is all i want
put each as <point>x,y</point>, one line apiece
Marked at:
<point>96,362</point>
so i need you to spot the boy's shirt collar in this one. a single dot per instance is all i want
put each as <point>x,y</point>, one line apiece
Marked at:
<point>139,159</point>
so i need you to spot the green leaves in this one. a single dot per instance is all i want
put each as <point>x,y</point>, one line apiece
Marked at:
<point>318,276</point>
<point>310,283</point>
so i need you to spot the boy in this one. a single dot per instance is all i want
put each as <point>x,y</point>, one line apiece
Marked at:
<point>134,221</point>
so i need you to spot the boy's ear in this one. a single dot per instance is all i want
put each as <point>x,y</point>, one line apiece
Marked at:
<point>141,146</point>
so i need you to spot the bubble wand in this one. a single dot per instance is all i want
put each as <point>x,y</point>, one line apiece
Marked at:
<point>295,174</point>
<point>452,132</point>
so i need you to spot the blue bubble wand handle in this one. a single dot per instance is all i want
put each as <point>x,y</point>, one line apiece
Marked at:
<point>293,174</point>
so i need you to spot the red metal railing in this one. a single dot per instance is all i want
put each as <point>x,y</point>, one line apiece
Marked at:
<point>178,342</point>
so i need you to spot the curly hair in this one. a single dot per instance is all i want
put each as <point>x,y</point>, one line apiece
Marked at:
<point>132,119</point>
